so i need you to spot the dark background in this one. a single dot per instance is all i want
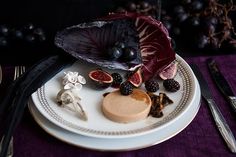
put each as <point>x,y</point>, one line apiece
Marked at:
<point>51,15</point>
<point>54,15</point>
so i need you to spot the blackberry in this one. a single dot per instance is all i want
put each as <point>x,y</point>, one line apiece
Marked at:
<point>117,79</point>
<point>171,85</point>
<point>126,88</point>
<point>151,85</point>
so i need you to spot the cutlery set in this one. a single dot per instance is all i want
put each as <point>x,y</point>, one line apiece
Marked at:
<point>224,87</point>
<point>221,83</point>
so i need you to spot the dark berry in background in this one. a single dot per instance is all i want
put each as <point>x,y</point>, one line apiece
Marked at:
<point>28,34</point>
<point>200,25</point>
<point>23,40</point>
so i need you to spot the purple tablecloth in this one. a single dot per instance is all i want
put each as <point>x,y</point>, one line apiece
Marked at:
<point>201,137</point>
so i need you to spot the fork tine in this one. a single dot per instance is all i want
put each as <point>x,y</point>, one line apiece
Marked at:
<point>22,69</point>
<point>10,148</point>
<point>18,72</point>
<point>15,72</point>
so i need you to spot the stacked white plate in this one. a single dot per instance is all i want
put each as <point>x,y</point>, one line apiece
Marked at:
<point>102,134</point>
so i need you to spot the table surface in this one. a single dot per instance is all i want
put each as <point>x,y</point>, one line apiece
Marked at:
<point>199,138</point>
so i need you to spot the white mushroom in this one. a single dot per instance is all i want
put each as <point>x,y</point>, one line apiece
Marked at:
<point>66,97</point>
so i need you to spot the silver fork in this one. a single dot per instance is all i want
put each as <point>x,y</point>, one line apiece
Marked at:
<point>19,70</point>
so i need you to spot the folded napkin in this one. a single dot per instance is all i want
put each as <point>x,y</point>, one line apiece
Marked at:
<point>18,93</point>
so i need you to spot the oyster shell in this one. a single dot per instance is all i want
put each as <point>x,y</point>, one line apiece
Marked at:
<point>90,41</point>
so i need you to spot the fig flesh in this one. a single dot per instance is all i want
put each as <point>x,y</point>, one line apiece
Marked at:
<point>100,78</point>
<point>169,72</point>
<point>136,78</point>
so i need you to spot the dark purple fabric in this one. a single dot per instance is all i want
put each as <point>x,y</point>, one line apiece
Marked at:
<point>199,139</point>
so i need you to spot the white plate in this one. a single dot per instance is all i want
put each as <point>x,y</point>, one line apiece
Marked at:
<point>98,125</point>
<point>119,144</point>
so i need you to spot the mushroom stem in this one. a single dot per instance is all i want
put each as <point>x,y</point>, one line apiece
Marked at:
<point>78,107</point>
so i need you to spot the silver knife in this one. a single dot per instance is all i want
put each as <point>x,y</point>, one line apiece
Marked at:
<point>221,83</point>
<point>217,115</point>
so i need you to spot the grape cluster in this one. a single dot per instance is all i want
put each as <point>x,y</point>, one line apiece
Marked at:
<point>121,51</point>
<point>203,24</point>
<point>29,34</point>
<point>141,7</point>
<point>200,24</point>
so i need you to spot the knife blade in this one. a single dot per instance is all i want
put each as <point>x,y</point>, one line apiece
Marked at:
<point>221,82</point>
<point>220,121</point>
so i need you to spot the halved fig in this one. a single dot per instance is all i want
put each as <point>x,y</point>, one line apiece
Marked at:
<point>136,78</point>
<point>100,78</point>
<point>169,72</point>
